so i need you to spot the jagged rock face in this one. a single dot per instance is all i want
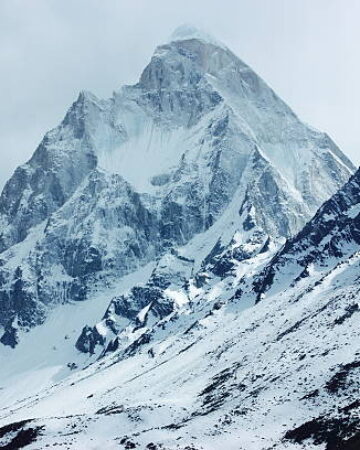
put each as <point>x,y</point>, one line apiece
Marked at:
<point>105,230</point>
<point>122,181</point>
<point>173,85</point>
<point>329,239</point>
<point>41,186</point>
<point>141,307</point>
<point>337,220</point>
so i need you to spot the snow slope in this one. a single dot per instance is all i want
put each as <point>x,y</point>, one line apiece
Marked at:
<point>281,374</point>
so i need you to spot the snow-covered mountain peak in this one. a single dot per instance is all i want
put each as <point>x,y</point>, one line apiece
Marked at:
<point>143,230</point>
<point>85,96</point>
<point>200,138</point>
<point>188,31</point>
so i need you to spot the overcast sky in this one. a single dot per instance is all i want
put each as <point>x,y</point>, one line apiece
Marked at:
<point>307,50</point>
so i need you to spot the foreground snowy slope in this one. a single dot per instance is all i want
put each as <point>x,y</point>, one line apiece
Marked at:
<point>121,181</point>
<point>281,374</point>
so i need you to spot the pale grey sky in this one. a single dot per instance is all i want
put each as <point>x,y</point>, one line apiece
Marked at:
<point>307,50</point>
